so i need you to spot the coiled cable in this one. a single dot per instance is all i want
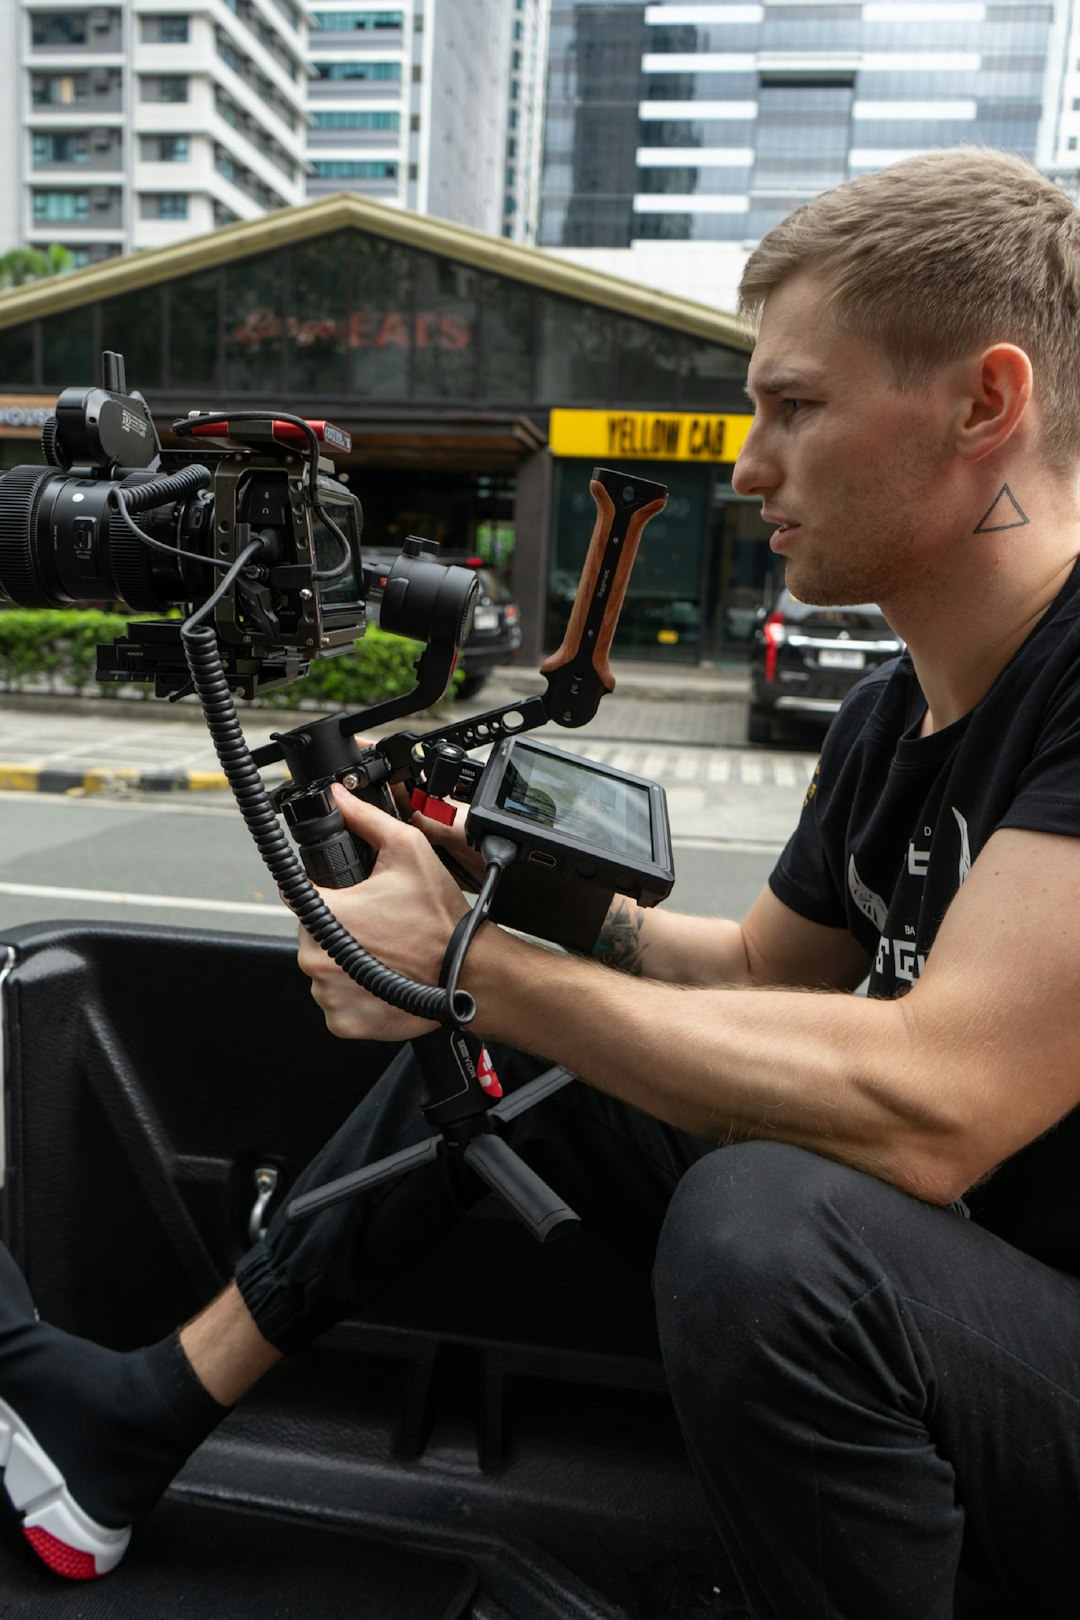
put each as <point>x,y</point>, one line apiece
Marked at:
<point>297,889</point>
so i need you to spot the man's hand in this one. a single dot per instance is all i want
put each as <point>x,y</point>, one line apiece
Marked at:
<point>403,914</point>
<point>452,841</point>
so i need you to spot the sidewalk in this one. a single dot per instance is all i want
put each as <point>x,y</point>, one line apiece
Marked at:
<point>58,745</point>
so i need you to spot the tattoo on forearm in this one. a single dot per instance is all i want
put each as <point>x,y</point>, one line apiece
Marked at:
<point>620,944</point>
<point>1006,513</point>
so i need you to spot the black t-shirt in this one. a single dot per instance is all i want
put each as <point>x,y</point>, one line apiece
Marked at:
<point>892,824</point>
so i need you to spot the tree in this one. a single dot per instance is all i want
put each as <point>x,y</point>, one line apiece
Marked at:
<point>22,264</point>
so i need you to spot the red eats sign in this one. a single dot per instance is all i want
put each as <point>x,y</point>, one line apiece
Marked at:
<point>364,329</point>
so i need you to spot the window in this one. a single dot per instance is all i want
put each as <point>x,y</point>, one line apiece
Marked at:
<point>59,89</point>
<point>59,28</point>
<point>70,206</point>
<point>357,120</point>
<point>367,20</point>
<point>57,148</point>
<point>174,31</point>
<point>358,70</point>
<point>167,87</point>
<point>164,205</point>
<point>353,169</point>
<point>165,149</point>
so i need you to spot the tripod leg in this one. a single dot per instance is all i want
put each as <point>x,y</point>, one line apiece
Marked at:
<point>531,1199</point>
<point>545,1085</point>
<point>332,1192</point>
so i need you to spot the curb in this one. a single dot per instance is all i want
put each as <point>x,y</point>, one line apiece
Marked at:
<point>35,779</point>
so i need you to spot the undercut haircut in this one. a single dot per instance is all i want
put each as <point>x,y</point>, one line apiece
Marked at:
<point>940,256</point>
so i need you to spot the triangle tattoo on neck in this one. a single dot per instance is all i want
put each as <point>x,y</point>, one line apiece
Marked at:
<point>1006,513</point>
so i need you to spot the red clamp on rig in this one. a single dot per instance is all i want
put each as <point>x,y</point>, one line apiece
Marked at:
<point>263,434</point>
<point>429,805</point>
<point>485,1073</point>
<point>442,768</point>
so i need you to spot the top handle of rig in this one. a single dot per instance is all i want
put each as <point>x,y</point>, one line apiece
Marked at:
<point>579,671</point>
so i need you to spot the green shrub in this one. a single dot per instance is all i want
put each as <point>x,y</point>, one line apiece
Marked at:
<point>380,667</point>
<point>57,647</point>
<point>54,645</point>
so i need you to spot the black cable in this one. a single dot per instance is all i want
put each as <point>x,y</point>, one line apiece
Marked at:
<point>297,889</point>
<point>498,853</point>
<point>203,656</point>
<point>126,499</point>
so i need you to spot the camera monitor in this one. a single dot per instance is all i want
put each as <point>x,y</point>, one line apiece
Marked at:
<point>584,832</point>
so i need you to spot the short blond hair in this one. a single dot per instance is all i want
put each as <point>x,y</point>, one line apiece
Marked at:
<point>941,255</point>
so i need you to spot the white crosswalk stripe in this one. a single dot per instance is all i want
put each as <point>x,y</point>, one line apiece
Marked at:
<point>682,766</point>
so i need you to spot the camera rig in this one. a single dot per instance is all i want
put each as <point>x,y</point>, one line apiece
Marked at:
<point>269,516</point>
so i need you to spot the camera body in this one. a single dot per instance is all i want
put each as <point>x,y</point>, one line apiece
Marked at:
<point>64,540</point>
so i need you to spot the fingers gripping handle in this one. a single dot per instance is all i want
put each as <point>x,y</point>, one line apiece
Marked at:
<point>579,672</point>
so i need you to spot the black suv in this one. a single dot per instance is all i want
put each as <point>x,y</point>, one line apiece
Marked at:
<point>496,628</point>
<point>804,660</point>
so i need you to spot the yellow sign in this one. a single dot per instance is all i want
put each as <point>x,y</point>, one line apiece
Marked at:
<point>648,435</point>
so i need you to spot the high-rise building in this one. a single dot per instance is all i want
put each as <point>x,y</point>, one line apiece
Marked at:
<point>703,124</point>
<point>437,107</point>
<point>1059,142</point>
<point>135,126</point>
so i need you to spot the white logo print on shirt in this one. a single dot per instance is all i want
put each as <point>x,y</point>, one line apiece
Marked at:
<point>965,844</point>
<point>870,904</point>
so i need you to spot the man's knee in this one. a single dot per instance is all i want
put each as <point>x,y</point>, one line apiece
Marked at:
<point>761,1248</point>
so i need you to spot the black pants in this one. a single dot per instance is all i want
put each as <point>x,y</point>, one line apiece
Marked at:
<point>615,1166</point>
<point>871,1389</point>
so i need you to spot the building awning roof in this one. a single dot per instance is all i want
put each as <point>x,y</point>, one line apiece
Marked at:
<point>348,210</point>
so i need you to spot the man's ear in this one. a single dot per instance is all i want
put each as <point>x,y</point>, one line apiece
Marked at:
<point>998,386</point>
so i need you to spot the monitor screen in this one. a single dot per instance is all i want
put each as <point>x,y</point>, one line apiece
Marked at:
<point>579,801</point>
<point>329,553</point>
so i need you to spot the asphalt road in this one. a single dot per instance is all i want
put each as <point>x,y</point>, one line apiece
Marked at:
<point>190,862</point>
<point>187,860</point>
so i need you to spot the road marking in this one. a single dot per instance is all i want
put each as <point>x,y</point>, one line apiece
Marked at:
<point>176,902</point>
<point>737,846</point>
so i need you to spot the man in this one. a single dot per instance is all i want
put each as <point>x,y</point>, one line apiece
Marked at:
<point>874,1389</point>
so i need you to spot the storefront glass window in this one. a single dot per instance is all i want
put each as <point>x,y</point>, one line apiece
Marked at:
<point>574,357</point>
<point>194,321</point>
<point>647,363</point>
<point>508,342</point>
<point>16,358</point>
<point>255,325</point>
<point>713,376</point>
<point>380,319</point>
<point>444,330</point>
<point>318,325</point>
<point>131,325</point>
<point>67,351</point>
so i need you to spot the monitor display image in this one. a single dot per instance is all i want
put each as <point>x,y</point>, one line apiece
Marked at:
<point>579,802</point>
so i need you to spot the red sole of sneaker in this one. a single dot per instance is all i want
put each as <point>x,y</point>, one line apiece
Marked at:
<point>65,1560</point>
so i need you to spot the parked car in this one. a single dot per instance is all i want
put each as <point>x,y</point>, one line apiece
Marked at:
<point>804,660</point>
<point>496,628</point>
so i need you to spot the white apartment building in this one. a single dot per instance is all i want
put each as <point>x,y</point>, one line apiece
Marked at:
<point>137,125</point>
<point>436,106</point>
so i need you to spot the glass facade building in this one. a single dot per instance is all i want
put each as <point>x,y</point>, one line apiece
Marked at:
<point>697,122</point>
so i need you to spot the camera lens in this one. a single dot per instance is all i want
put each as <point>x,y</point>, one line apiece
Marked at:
<point>61,541</point>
